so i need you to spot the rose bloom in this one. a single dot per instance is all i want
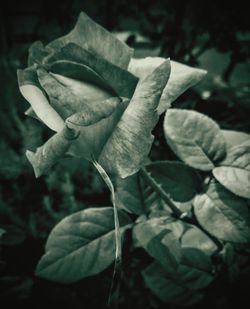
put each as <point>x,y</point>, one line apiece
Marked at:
<point>83,84</point>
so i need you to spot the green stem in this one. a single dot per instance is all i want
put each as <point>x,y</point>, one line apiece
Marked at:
<point>114,290</point>
<point>176,212</point>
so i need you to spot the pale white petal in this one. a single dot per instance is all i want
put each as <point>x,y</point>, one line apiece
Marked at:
<point>41,107</point>
<point>181,77</point>
<point>145,66</point>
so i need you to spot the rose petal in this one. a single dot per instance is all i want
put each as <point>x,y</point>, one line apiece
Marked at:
<point>128,147</point>
<point>38,53</point>
<point>145,66</point>
<point>30,113</point>
<point>75,62</point>
<point>122,81</point>
<point>79,71</point>
<point>95,38</point>
<point>41,107</point>
<point>57,62</point>
<point>87,91</point>
<point>103,109</point>
<point>95,128</point>
<point>53,150</point>
<point>181,78</point>
<point>31,90</point>
<point>69,96</point>
<point>28,76</point>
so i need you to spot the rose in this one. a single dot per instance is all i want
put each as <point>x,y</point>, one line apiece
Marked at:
<point>103,103</point>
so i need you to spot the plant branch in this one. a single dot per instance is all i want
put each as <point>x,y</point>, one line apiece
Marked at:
<point>115,286</point>
<point>176,212</point>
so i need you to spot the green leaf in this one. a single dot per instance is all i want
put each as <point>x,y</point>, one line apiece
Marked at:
<point>234,172</point>
<point>238,156</point>
<point>194,138</point>
<point>152,200</point>
<point>167,289</point>
<point>94,38</point>
<point>223,214</point>
<point>178,180</point>
<point>135,195</point>
<point>195,268</point>
<point>155,198</point>
<point>53,150</point>
<point>235,138</point>
<point>232,261</point>
<point>181,78</point>
<point>195,238</point>
<point>81,245</point>
<point>128,146</point>
<point>236,180</point>
<point>159,242</point>
<point>129,194</point>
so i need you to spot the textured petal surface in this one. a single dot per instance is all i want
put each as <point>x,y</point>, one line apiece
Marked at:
<point>128,147</point>
<point>93,37</point>
<point>181,78</point>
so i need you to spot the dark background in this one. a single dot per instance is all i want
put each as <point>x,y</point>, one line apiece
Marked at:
<point>206,34</point>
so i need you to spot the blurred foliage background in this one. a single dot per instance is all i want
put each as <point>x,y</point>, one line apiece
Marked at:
<point>207,34</point>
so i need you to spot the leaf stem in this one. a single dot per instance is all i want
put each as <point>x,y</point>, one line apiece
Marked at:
<point>114,290</point>
<point>176,212</point>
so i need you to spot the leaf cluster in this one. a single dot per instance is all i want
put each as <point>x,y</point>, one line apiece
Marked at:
<point>191,216</point>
